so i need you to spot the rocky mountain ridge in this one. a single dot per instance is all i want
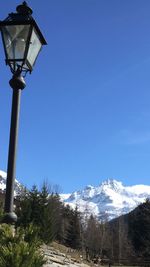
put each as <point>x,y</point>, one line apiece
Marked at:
<point>108,200</point>
<point>18,187</point>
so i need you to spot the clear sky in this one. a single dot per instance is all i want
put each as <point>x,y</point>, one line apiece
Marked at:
<point>85,112</point>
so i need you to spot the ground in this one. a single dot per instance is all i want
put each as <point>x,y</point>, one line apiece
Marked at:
<point>58,255</point>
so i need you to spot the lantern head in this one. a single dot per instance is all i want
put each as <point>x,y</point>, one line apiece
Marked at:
<point>22,39</point>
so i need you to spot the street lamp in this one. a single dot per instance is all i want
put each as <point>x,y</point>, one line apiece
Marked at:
<point>22,41</point>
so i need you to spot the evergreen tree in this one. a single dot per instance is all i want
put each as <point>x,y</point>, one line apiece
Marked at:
<point>50,223</point>
<point>65,216</point>
<point>41,209</point>
<point>21,249</point>
<point>139,229</point>
<point>73,238</point>
<point>28,207</point>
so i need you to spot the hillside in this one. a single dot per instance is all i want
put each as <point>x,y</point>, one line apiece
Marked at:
<point>59,255</point>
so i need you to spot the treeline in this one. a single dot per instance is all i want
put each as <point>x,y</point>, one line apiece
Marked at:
<point>53,219</point>
<point>56,221</point>
<point>124,240</point>
<point>129,236</point>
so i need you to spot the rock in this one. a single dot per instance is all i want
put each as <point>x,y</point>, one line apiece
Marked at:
<point>56,258</point>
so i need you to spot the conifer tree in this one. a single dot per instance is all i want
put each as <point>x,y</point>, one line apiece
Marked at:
<point>73,238</point>
<point>21,249</point>
<point>139,229</point>
<point>41,209</point>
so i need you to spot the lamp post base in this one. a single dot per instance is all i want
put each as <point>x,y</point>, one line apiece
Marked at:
<point>10,218</point>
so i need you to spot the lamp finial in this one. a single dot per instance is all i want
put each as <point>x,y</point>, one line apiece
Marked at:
<point>24,9</point>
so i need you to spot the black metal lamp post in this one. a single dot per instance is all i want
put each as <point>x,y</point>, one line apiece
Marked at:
<point>22,40</point>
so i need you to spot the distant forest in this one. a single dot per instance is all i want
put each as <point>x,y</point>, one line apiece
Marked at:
<point>123,240</point>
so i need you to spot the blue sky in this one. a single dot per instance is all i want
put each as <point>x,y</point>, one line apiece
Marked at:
<point>85,112</point>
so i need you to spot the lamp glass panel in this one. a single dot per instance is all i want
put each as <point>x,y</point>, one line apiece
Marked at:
<point>15,40</point>
<point>34,47</point>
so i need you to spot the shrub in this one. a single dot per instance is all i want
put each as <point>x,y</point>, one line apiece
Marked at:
<point>20,249</point>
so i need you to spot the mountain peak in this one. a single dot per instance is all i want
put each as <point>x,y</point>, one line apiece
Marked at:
<point>112,183</point>
<point>111,197</point>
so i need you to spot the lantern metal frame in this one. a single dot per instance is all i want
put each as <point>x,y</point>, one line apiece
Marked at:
<point>22,17</point>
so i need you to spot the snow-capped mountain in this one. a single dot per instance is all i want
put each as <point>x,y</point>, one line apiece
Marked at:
<point>18,187</point>
<point>108,200</point>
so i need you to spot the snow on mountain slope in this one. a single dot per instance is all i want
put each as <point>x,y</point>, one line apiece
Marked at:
<point>108,200</point>
<point>18,187</point>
